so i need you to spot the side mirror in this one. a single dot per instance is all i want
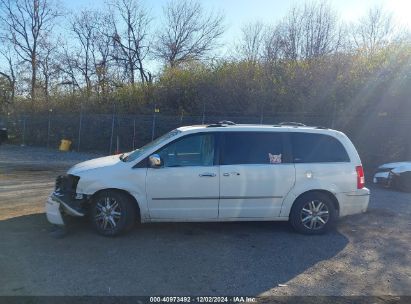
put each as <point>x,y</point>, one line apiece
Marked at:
<point>155,161</point>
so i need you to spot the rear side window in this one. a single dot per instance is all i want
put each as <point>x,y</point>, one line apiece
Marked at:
<point>252,148</point>
<point>317,148</point>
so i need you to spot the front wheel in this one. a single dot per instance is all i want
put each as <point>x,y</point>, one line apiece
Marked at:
<point>112,213</point>
<point>313,213</point>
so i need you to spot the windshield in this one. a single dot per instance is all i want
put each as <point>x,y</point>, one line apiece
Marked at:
<point>136,153</point>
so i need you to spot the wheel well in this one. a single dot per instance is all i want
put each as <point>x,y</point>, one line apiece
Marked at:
<point>132,198</point>
<point>328,193</point>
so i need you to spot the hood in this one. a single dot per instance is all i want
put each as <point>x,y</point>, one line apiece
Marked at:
<point>395,165</point>
<point>94,164</point>
<point>405,167</point>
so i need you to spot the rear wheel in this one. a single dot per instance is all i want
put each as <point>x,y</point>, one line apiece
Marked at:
<point>112,213</point>
<point>313,213</point>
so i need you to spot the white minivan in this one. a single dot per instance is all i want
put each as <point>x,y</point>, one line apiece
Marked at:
<point>308,176</point>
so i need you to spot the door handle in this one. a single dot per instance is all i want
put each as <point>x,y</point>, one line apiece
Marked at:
<point>207,174</point>
<point>230,173</point>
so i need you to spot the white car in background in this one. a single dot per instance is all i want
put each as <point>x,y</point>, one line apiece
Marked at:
<point>308,176</point>
<point>394,175</point>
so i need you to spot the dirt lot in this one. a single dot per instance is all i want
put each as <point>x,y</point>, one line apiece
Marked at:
<point>368,254</point>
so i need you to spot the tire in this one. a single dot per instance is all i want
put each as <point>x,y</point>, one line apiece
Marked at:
<point>318,203</point>
<point>112,213</point>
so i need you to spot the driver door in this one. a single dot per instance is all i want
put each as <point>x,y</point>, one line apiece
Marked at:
<point>186,186</point>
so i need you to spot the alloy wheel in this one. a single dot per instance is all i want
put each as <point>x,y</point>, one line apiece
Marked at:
<point>108,213</point>
<point>314,215</point>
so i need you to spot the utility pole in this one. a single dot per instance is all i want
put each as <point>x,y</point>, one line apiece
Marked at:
<point>112,128</point>
<point>79,127</point>
<point>181,116</point>
<point>24,132</point>
<point>134,132</point>
<point>203,119</point>
<point>156,110</point>
<point>48,128</point>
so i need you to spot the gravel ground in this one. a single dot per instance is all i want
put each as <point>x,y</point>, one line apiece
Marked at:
<point>368,254</point>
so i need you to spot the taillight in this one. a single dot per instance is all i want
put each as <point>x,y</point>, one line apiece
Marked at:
<point>360,177</point>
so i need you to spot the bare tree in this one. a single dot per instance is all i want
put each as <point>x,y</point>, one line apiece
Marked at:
<point>48,64</point>
<point>290,30</point>
<point>9,75</point>
<point>273,44</point>
<point>68,68</point>
<point>309,31</point>
<point>83,28</point>
<point>88,58</point>
<point>189,33</point>
<point>252,40</point>
<point>321,31</point>
<point>103,48</point>
<point>26,23</point>
<point>374,30</point>
<point>132,43</point>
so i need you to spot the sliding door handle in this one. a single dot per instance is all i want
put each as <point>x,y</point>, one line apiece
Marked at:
<point>207,174</point>
<point>230,173</point>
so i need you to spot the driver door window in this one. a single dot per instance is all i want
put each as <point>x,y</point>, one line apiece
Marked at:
<point>196,150</point>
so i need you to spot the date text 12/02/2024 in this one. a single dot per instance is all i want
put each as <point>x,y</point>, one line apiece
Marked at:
<point>239,299</point>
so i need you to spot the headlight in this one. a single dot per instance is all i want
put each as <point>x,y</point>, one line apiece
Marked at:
<point>66,184</point>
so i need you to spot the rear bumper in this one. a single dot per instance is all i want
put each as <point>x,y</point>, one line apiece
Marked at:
<point>354,202</point>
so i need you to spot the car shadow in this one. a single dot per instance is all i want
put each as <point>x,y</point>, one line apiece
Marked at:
<point>238,258</point>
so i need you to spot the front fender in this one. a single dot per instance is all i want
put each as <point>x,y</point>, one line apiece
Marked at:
<point>125,179</point>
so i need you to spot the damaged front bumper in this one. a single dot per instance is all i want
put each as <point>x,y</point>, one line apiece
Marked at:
<point>383,178</point>
<point>56,207</point>
<point>53,211</point>
<point>64,200</point>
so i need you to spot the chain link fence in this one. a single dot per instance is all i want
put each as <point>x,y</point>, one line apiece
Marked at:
<point>378,138</point>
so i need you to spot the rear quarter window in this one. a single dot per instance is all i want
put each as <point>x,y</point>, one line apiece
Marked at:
<point>317,148</point>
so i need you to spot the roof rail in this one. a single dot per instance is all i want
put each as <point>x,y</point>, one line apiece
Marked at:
<point>226,122</point>
<point>291,123</point>
<point>223,123</point>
